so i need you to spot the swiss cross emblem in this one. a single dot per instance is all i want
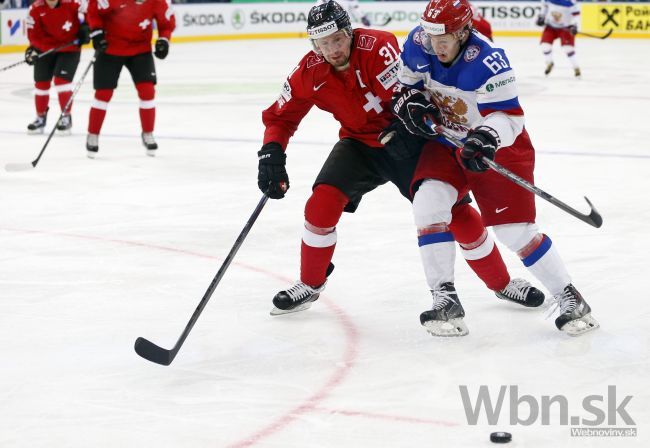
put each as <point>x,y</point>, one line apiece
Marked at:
<point>67,25</point>
<point>374,102</point>
<point>144,24</point>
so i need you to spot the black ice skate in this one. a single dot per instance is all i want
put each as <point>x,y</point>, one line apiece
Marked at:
<point>575,314</point>
<point>549,67</point>
<point>64,125</point>
<point>299,297</point>
<point>92,145</point>
<point>149,143</point>
<point>521,292</point>
<point>37,126</point>
<point>445,318</point>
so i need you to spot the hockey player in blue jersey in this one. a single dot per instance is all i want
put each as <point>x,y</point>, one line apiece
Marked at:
<point>560,21</point>
<point>465,85</point>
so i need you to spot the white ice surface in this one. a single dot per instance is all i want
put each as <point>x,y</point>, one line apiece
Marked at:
<point>94,253</point>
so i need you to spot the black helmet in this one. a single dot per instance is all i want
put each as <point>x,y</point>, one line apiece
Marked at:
<point>327,18</point>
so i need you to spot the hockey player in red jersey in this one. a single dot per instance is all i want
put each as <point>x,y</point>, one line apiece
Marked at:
<point>51,24</point>
<point>352,75</point>
<point>122,32</point>
<point>467,84</point>
<point>480,23</point>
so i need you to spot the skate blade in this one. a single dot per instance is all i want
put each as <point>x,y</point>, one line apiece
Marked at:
<point>64,133</point>
<point>91,154</point>
<point>36,132</point>
<point>151,152</point>
<point>578,327</point>
<point>451,328</point>
<point>277,311</point>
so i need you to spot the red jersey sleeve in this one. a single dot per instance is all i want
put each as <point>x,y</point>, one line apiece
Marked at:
<point>34,26</point>
<point>284,116</point>
<point>97,9</point>
<point>165,19</point>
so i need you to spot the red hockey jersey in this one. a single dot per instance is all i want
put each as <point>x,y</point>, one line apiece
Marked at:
<point>358,98</point>
<point>49,28</point>
<point>128,24</point>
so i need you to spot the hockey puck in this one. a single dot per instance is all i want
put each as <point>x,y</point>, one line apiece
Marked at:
<point>500,437</point>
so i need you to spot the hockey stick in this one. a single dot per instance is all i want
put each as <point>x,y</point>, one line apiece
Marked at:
<point>593,218</point>
<point>40,55</point>
<point>595,36</point>
<point>32,165</point>
<point>152,352</point>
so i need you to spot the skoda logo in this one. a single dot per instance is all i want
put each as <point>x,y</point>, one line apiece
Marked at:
<point>238,19</point>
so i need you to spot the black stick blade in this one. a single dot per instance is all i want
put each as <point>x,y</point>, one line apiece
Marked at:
<point>595,219</point>
<point>151,352</point>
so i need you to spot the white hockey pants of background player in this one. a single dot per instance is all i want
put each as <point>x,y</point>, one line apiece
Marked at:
<point>537,252</point>
<point>569,50</point>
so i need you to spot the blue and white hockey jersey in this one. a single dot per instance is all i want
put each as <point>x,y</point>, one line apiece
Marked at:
<point>560,13</point>
<point>478,88</point>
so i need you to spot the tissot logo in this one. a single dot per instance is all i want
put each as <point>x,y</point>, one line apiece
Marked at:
<point>512,12</point>
<point>202,19</point>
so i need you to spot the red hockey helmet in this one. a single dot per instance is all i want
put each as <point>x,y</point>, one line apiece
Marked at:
<point>446,16</point>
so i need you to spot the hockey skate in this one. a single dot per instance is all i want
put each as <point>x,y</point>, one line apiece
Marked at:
<point>92,145</point>
<point>575,314</point>
<point>549,67</point>
<point>37,126</point>
<point>64,125</point>
<point>445,318</point>
<point>149,143</point>
<point>299,297</point>
<point>521,292</point>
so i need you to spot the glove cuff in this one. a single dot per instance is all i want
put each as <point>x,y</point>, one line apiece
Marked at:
<point>272,154</point>
<point>489,133</point>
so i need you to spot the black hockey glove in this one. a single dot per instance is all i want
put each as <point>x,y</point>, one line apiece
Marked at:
<point>481,142</point>
<point>540,21</point>
<point>399,143</point>
<point>413,109</point>
<point>83,35</point>
<point>31,55</point>
<point>573,29</point>
<point>100,43</point>
<point>161,48</point>
<point>272,177</point>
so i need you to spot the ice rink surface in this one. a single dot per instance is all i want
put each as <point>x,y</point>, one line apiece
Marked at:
<point>94,253</point>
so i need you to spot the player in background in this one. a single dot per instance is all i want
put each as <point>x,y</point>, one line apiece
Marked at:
<point>352,74</point>
<point>353,9</point>
<point>560,21</point>
<point>51,24</point>
<point>468,87</point>
<point>480,23</point>
<point>124,40</point>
